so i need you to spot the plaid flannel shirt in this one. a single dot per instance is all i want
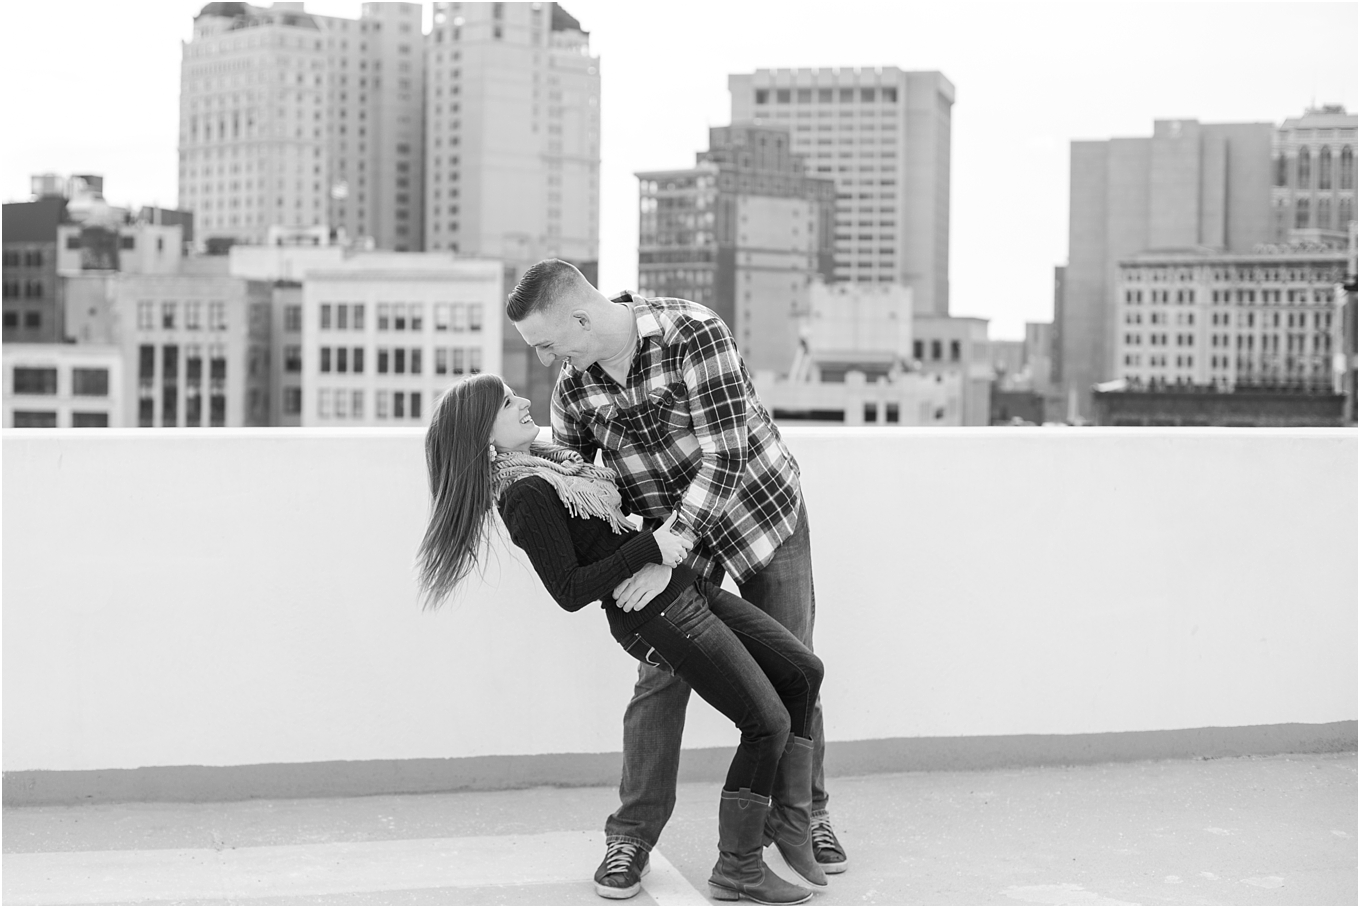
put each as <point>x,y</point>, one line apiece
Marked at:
<point>687,434</point>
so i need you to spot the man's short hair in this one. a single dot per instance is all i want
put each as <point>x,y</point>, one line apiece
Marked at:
<point>541,286</point>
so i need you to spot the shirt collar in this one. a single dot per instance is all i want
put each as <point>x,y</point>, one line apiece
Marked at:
<point>647,322</point>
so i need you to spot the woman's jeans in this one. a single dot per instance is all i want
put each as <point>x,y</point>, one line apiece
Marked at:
<point>745,665</point>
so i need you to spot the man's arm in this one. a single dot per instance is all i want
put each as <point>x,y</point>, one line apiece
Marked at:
<point>717,409</point>
<point>567,428</point>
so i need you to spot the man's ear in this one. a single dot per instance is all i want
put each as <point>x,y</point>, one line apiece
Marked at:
<point>582,318</point>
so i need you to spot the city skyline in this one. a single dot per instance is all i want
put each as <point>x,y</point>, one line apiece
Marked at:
<point>1019,102</point>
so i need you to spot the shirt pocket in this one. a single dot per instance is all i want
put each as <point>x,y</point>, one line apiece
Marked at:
<point>609,430</point>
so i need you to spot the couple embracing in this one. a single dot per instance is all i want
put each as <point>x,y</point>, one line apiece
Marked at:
<point>659,388</point>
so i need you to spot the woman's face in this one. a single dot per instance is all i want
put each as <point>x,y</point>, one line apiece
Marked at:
<point>514,429</point>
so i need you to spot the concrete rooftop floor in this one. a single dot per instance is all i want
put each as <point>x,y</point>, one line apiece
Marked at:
<point>1238,831</point>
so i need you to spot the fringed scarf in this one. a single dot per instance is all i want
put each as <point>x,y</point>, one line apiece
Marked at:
<point>585,489</point>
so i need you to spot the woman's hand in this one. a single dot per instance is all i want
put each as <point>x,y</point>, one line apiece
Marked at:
<point>673,547</point>
<point>642,587</point>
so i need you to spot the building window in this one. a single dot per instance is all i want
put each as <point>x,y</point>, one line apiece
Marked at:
<point>1325,169</point>
<point>380,404</point>
<point>341,359</point>
<point>358,360</point>
<point>217,316</point>
<point>384,316</point>
<point>323,403</point>
<point>325,359</point>
<point>1347,180</point>
<point>441,316</point>
<point>474,316</point>
<point>399,361</point>
<point>417,316</point>
<point>292,318</point>
<point>1305,168</point>
<point>167,315</point>
<point>146,315</point>
<point>357,311</point>
<point>356,404</point>
<point>292,401</point>
<point>415,405</point>
<point>955,351</point>
<point>35,381</point>
<point>398,405</point>
<point>1301,212</point>
<point>936,351</point>
<point>382,361</point>
<point>35,419</point>
<point>342,317</point>
<point>193,316</point>
<point>90,382</point>
<point>89,420</point>
<point>415,361</point>
<point>325,315</point>
<point>292,358</point>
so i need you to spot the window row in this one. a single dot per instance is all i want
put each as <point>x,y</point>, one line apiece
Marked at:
<point>43,380</point>
<point>47,419</point>
<point>348,403</point>
<point>32,319</point>
<point>825,95</point>
<point>27,258</point>
<point>1304,168</point>
<point>170,316</point>
<point>26,289</point>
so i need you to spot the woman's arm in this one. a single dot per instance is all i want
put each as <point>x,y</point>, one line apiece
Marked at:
<point>537,521</point>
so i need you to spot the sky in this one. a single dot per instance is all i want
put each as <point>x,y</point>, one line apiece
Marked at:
<point>94,87</point>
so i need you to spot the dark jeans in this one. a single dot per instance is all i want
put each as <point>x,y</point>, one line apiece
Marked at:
<point>655,719</point>
<point>744,664</point>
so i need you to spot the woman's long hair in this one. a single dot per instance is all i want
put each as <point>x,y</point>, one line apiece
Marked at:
<point>457,454</point>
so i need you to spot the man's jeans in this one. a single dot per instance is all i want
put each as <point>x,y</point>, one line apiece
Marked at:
<point>655,718</point>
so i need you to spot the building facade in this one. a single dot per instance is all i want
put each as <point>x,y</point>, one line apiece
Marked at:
<point>883,135</point>
<point>292,119</point>
<point>957,348</point>
<point>1313,164</point>
<point>745,232</point>
<point>1189,185</point>
<point>1266,320</point>
<point>195,348</point>
<point>512,141</point>
<point>49,386</point>
<point>384,334</point>
<point>32,303</point>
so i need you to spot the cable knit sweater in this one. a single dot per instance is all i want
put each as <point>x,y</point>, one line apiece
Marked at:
<point>581,559</point>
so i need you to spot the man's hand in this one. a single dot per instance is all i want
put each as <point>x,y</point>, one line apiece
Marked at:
<point>642,587</point>
<point>674,547</point>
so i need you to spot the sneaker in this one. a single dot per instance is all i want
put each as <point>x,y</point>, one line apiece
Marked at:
<point>620,873</point>
<point>830,855</point>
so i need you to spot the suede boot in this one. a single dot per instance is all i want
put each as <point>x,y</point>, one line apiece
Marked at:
<point>789,824</point>
<point>741,871</point>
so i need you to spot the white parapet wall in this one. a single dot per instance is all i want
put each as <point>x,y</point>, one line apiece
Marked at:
<point>223,598</point>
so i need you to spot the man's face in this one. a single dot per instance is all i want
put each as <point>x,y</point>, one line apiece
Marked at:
<point>558,334</point>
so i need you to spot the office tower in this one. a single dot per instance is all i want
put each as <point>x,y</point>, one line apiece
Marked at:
<point>512,140</point>
<point>290,119</point>
<point>1314,172</point>
<point>884,136</point>
<point>744,232</point>
<point>383,334</point>
<point>1189,185</point>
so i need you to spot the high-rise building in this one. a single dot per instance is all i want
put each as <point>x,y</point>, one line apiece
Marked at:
<point>1190,185</point>
<point>512,141</point>
<point>292,119</point>
<point>1314,172</point>
<point>32,305</point>
<point>745,232</point>
<point>383,334</point>
<point>883,135</point>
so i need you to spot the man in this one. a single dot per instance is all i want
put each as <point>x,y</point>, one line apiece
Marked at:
<point>659,387</point>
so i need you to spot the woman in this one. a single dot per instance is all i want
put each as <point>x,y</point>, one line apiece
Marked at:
<point>481,451</point>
